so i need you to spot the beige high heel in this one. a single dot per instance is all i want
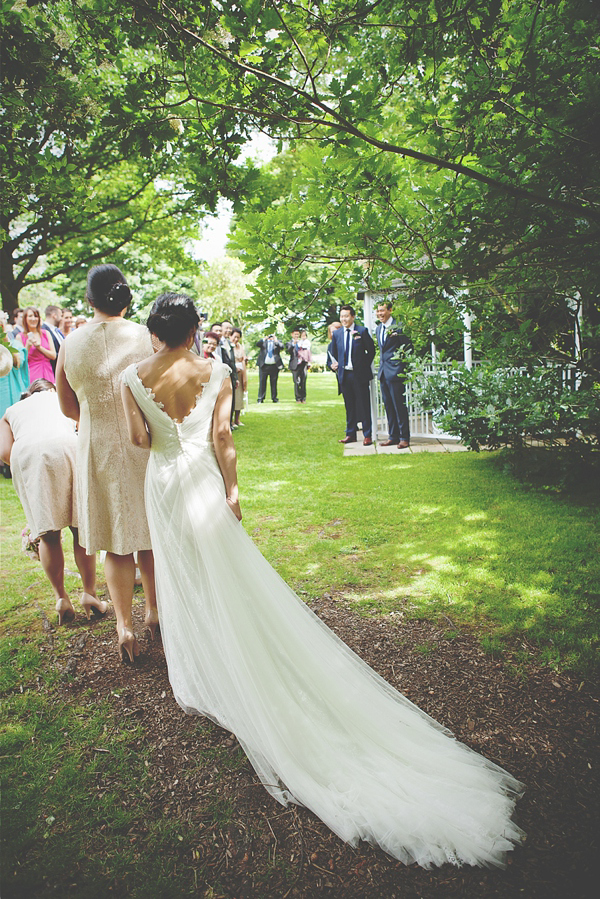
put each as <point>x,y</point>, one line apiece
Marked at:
<point>65,611</point>
<point>91,605</point>
<point>151,622</point>
<point>128,646</point>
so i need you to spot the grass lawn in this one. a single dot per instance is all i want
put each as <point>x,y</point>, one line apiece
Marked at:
<point>430,533</point>
<point>444,536</point>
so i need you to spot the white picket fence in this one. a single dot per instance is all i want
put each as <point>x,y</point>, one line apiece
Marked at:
<point>421,420</point>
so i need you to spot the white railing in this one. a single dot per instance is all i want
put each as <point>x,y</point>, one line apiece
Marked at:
<point>420,420</point>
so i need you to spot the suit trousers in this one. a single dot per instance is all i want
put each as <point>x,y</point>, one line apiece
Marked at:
<point>357,401</point>
<point>393,391</point>
<point>299,375</point>
<point>264,372</point>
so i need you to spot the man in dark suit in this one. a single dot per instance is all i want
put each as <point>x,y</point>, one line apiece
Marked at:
<point>392,340</point>
<point>298,366</point>
<point>269,366</point>
<point>350,355</point>
<point>53,318</point>
<point>228,357</point>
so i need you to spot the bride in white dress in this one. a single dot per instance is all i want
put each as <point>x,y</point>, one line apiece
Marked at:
<point>320,727</point>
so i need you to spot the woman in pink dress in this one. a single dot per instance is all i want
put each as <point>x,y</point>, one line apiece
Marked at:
<point>40,348</point>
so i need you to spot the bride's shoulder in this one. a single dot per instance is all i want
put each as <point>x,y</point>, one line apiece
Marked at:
<point>143,367</point>
<point>129,373</point>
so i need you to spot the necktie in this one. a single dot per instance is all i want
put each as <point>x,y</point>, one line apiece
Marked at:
<point>347,350</point>
<point>382,335</point>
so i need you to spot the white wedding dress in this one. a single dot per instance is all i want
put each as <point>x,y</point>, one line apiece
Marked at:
<point>320,727</point>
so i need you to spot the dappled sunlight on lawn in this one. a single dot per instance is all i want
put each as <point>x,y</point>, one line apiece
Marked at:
<point>430,510</point>
<point>429,535</point>
<point>272,486</point>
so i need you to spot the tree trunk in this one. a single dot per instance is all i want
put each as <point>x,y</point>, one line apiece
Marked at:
<point>9,287</point>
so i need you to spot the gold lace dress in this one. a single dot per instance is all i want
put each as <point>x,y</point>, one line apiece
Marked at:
<point>110,470</point>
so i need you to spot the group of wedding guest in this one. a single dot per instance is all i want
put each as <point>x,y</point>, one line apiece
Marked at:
<point>34,347</point>
<point>270,364</point>
<point>42,339</point>
<point>223,341</point>
<point>64,480</point>
<point>39,437</point>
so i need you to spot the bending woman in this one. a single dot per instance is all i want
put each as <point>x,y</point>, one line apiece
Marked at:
<point>110,472</point>
<point>39,444</point>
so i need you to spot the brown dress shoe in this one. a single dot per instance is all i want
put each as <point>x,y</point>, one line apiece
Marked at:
<point>387,443</point>
<point>367,442</point>
<point>404,444</point>
<point>348,440</point>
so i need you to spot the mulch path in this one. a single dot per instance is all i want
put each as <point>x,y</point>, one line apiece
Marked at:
<point>539,724</point>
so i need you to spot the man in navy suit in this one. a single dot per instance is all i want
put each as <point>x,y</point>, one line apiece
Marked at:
<point>53,319</point>
<point>350,355</point>
<point>392,340</point>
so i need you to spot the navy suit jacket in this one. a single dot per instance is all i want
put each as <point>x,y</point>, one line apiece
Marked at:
<point>363,353</point>
<point>395,339</point>
<point>56,343</point>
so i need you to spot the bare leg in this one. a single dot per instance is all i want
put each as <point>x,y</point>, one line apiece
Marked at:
<point>53,563</point>
<point>146,566</point>
<point>120,574</point>
<point>87,569</point>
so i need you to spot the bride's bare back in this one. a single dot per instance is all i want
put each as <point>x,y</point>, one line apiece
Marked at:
<point>176,381</point>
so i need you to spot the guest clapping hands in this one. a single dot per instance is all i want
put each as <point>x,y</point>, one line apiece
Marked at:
<point>40,349</point>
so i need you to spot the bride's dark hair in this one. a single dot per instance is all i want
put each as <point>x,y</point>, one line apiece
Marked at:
<point>172,318</point>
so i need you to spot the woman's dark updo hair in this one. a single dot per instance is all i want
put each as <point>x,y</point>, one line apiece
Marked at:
<point>107,289</point>
<point>173,318</point>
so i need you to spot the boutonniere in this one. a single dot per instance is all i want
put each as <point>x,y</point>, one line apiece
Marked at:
<point>392,332</point>
<point>355,335</point>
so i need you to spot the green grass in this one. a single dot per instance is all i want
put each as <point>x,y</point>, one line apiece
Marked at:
<point>444,536</point>
<point>430,533</point>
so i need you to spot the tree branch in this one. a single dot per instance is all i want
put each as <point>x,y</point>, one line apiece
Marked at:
<point>334,120</point>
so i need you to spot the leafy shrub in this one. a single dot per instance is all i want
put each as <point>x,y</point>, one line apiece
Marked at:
<point>495,407</point>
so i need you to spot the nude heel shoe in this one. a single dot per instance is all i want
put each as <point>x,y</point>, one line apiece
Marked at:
<point>92,606</point>
<point>128,647</point>
<point>151,622</point>
<point>65,611</point>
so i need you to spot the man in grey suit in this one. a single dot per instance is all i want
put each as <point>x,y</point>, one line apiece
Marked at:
<point>392,339</point>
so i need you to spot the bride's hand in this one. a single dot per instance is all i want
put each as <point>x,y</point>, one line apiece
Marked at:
<point>235,508</point>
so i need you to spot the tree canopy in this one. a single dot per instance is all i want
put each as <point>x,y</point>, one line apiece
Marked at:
<point>88,169</point>
<point>452,144</point>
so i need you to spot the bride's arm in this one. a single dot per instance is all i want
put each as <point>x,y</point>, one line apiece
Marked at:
<point>136,423</point>
<point>225,448</point>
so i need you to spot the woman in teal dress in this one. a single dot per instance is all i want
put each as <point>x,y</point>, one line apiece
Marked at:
<point>16,381</point>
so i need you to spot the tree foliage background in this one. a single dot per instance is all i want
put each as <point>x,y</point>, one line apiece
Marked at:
<point>451,145</point>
